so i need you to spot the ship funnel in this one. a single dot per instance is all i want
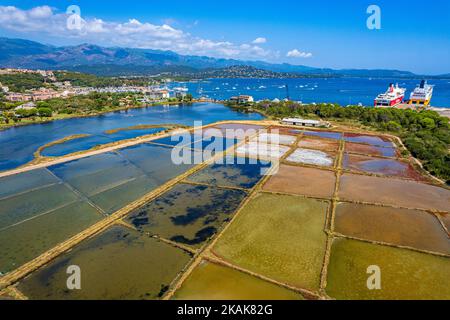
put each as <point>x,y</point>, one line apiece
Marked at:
<point>422,84</point>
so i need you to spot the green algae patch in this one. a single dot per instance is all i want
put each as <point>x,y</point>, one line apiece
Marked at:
<point>214,282</point>
<point>26,241</point>
<point>412,228</point>
<point>117,264</point>
<point>233,172</point>
<point>405,274</point>
<point>280,237</point>
<point>188,214</point>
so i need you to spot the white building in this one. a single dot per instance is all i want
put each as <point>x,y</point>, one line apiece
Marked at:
<point>3,88</point>
<point>242,99</point>
<point>26,106</point>
<point>158,94</point>
<point>180,93</point>
<point>306,123</point>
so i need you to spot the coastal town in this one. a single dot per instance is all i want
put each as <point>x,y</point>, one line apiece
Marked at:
<point>28,103</point>
<point>65,89</point>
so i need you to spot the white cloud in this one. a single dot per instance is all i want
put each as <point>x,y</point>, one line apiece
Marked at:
<point>259,41</point>
<point>41,12</point>
<point>44,21</point>
<point>15,19</point>
<point>298,54</point>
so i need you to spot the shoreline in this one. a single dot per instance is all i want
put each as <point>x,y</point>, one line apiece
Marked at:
<point>4,127</point>
<point>443,111</point>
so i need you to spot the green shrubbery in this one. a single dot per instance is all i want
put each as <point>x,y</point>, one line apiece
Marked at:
<point>90,104</point>
<point>21,82</point>
<point>90,80</point>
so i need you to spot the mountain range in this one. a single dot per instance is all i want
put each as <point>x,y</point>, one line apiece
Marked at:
<point>88,58</point>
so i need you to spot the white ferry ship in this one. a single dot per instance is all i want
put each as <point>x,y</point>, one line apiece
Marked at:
<point>391,98</point>
<point>422,94</point>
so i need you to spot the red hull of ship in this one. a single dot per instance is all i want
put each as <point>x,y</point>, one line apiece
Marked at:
<point>393,102</point>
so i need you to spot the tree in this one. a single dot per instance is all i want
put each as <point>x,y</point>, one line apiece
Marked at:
<point>393,126</point>
<point>45,112</point>
<point>428,123</point>
<point>189,97</point>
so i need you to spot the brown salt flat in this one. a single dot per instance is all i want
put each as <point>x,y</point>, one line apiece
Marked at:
<point>370,150</point>
<point>382,166</point>
<point>403,227</point>
<point>302,181</point>
<point>319,144</point>
<point>394,192</point>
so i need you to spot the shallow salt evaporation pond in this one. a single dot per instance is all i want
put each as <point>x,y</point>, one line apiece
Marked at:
<point>36,205</point>
<point>119,263</point>
<point>28,239</point>
<point>323,134</point>
<point>113,180</point>
<point>381,166</point>
<point>302,181</point>
<point>188,214</point>
<point>287,244</point>
<point>232,172</point>
<point>394,192</point>
<point>370,150</point>
<point>214,282</point>
<point>312,157</point>
<point>319,144</point>
<point>272,138</point>
<point>34,209</point>
<point>262,151</point>
<point>369,140</point>
<point>406,274</point>
<point>412,228</point>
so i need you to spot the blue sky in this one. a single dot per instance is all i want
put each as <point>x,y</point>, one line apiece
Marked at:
<point>415,35</point>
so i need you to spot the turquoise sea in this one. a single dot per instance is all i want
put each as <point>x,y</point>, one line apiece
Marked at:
<point>344,91</point>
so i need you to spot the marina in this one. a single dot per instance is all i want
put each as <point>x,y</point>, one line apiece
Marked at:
<point>342,90</point>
